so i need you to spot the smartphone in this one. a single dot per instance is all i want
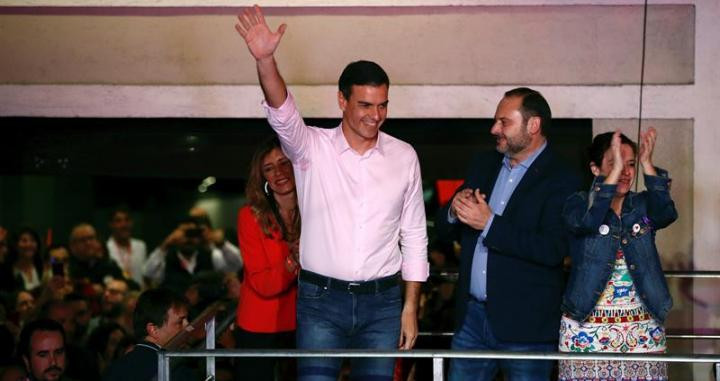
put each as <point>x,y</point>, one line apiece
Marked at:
<point>58,268</point>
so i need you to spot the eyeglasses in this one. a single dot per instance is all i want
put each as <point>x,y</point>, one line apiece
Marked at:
<point>85,239</point>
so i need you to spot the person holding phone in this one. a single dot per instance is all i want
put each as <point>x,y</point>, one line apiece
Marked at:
<point>58,261</point>
<point>181,255</point>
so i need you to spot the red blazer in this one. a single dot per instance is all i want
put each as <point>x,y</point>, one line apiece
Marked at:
<point>269,290</point>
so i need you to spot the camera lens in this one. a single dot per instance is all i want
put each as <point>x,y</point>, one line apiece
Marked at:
<point>193,233</point>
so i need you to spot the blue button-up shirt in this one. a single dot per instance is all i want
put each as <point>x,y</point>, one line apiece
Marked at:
<point>505,185</point>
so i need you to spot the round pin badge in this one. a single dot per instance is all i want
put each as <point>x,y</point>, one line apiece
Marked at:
<point>636,228</point>
<point>604,229</point>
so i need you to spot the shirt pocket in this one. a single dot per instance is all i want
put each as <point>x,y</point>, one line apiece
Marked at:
<point>643,240</point>
<point>595,249</point>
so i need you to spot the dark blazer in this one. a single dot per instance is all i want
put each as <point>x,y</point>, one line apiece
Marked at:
<point>526,247</point>
<point>141,364</point>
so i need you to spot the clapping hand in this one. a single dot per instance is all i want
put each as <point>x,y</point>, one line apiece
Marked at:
<point>471,208</point>
<point>647,146</point>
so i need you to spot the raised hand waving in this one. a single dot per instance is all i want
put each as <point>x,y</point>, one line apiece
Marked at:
<point>260,40</point>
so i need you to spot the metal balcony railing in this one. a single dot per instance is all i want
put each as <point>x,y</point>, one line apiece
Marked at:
<point>437,356</point>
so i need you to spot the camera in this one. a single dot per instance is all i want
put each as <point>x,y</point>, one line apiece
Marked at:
<point>193,233</point>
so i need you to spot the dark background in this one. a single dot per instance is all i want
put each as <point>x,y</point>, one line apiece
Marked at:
<point>56,172</point>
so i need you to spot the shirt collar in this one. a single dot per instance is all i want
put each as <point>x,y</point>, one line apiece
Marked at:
<point>341,145</point>
<point>525,164</point>
<point>149,345</point>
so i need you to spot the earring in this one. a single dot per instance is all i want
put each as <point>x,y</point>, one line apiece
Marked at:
<point>266,187</point>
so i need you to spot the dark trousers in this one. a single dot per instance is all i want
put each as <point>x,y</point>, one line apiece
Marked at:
<point>330,319</point>
<point>476,334</point>
<point>263,368</point>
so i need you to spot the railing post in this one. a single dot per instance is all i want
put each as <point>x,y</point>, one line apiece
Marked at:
<point>717,371</point>
<point>438,371</point>
<point>210,344</point>
<point>163,366</point>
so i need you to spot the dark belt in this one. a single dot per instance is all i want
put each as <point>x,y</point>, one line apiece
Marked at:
<point>367,287</point>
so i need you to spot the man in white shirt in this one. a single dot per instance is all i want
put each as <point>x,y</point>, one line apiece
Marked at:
<point>184,253</point>
<point>129,253</point>
<point>215,239</point>
<point>363,218</point>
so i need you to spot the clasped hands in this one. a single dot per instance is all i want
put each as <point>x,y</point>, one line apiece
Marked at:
<point>470,207</point>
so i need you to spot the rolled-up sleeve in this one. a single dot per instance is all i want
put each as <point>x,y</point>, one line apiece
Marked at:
<point>413,230</point>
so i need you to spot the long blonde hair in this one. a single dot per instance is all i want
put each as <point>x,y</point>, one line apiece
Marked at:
<point>263,204</point>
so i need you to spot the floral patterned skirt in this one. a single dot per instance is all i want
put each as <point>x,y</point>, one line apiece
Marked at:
<point>619,323</point>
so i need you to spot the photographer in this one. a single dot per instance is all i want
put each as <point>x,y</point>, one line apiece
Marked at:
<point>182,254</point>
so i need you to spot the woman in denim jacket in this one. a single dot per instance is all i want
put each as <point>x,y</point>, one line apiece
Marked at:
<point>617,298</point>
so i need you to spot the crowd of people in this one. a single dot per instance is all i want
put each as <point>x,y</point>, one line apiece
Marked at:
<point>333,255</point>
<point>92,289</point>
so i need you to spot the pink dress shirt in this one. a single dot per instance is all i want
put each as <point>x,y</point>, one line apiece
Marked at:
<point>363,216</point>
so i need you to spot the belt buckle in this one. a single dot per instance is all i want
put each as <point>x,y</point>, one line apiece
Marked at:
<point>351,286</point>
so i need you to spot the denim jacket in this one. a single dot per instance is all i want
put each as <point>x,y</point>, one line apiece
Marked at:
<point>597,233</point>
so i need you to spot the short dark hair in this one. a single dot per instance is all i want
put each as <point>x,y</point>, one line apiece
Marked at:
<point>533,104</point>
<point>361,73</point>
<point>120,209</point>
<point>202,221</point>
<point>152,307</point>
<point>198,221</point>
<point>602,142</point>
<point>29,329</point>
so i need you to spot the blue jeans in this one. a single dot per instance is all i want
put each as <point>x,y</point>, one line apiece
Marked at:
<point>332,319</point>
<point>476,334</point>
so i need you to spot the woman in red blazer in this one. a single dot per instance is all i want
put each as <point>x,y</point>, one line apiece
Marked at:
<point>268,234</point>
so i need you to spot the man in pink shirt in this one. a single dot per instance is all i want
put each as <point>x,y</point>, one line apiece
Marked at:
<point>363,217</point>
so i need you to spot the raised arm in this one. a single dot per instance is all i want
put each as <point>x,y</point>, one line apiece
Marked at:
<point>661,208</point>
<point>584,212</point>
<point>262,42</point>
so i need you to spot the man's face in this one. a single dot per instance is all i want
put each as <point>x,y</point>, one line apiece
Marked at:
<point>192,238</point>
<point>47,356</point>
<point>364,112</point>
<point>121,225</point>
<point>24,303</point>
<point>509,129</point>
<point>84,244</point>
<point>176,321</point>
<point>114,295</point>
<point>81,312</point>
